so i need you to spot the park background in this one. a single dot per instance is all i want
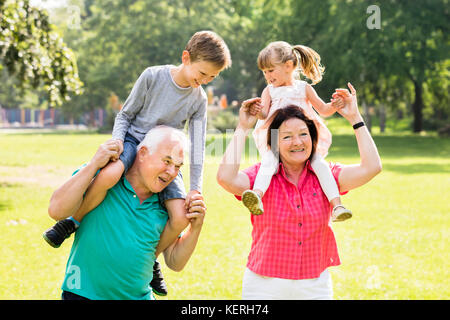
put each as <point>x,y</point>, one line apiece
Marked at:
<point>66,67</point>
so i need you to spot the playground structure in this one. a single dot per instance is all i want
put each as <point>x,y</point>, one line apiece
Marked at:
<point>44,118</point>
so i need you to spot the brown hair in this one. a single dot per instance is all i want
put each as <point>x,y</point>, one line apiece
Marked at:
<point>283,114</point>
<point>209,46</point>
<point>304,58</point>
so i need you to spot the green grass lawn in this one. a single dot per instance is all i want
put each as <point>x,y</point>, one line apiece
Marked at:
<point>396,246</point>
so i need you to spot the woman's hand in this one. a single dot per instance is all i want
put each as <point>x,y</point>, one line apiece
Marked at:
<point>246,119</point>
<point>350,109</point>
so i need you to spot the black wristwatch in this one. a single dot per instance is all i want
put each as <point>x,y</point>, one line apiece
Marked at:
<point>358,125</point>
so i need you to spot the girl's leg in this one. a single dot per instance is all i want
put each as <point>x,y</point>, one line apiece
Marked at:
<point>329,187</point>
<point>269,166</point>
<point>252,198</point>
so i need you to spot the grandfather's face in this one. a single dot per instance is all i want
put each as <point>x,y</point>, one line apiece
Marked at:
<point>294,141</point>
<point>162,166</point>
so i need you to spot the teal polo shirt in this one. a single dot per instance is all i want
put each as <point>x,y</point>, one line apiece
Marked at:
<point>114,248</point>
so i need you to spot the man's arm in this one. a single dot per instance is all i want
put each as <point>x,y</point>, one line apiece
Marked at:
<point>178,253</point>
<point>66,200</point>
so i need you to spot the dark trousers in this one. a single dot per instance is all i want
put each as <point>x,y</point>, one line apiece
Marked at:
<point>66,295</point>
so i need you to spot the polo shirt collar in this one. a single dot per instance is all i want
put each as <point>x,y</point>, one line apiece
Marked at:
<point>153,198</point>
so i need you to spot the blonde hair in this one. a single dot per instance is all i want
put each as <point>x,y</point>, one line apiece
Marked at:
<point>209,46</point>
<point>304,58</point>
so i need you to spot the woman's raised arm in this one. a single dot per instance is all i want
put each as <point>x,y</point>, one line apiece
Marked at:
<point>353,176</point>
<point>228,175</point>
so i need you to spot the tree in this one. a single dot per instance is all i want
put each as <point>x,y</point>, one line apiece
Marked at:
<point>32,51</point>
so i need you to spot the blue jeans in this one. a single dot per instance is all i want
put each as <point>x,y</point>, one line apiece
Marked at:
<point>175,190</point>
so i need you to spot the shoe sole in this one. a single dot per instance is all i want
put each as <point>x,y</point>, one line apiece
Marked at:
<point>342,217</point>
<point>50,242</point>
<point>159,293</point>
<point>251,202</point>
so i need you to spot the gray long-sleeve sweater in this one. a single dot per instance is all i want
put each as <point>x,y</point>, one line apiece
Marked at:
<point>157,100</point>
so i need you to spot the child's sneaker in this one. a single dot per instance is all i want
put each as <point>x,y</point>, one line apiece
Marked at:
<point>56,235</point>
<point>158,284</point>
<point>340,213</point>
<point>253,202</point>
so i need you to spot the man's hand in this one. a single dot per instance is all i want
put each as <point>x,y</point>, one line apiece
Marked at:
<point>106,152</point>
<point>196,211</point>
<point>188,199</point>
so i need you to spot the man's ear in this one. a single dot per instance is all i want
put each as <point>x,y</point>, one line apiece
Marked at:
<point>142,153</point>
<point>186,57</point>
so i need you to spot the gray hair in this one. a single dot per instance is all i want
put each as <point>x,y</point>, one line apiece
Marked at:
<point>163,133</point>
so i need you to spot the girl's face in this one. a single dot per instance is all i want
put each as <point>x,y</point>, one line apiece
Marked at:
<point>294,141</point>
<point>280,74</point>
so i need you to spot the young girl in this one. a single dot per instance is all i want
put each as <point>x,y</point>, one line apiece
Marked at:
<point>280,62</point>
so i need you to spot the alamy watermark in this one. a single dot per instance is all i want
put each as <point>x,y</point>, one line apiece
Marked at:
<point>374,20</point>
<point>73,280</point>
<point>374,280</point>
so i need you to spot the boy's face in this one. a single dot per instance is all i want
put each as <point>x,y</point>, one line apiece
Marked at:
<point>200,72</point>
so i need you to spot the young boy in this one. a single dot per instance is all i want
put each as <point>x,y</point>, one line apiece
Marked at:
<point>163,95</point>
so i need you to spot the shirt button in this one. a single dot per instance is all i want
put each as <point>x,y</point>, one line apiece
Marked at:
<point>299,224</point>
<point>314,194</point>
<point>298,206</point>
<point>134,196</point>
<point>299,243</point>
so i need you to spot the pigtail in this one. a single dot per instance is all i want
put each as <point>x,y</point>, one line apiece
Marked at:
<point>309,61</point>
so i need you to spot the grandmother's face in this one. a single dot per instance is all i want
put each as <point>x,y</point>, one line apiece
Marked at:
<point>294,141</point>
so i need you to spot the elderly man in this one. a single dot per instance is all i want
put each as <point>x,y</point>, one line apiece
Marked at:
<point>115,247</point>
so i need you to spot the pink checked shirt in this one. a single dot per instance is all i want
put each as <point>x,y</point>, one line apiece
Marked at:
<point>293,238</point>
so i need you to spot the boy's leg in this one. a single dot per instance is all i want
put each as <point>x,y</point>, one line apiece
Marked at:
<point>329,187</point>
<point>95,194</point>
<point>173,198</point>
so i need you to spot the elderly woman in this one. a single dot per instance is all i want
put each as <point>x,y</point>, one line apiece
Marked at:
<point>293,242</point>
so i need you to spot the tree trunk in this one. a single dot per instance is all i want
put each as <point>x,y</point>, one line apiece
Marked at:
<point>382,118</point>
<point>417,106</point>
<point>366,116</point>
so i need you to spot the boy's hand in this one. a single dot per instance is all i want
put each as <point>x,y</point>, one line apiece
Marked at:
<point>196,210</point>
<point>189,196</point>
<point>120,149</point>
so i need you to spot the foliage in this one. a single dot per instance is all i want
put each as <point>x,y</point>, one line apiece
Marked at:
<point>400,66</point>
<point>33,51</point>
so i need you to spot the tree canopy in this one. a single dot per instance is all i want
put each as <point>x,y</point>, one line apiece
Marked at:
<point>32,51</point>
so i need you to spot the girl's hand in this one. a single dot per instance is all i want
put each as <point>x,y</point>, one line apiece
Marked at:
<point>337,103</point>
<point>255,109</point>
<point>246,119</point>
